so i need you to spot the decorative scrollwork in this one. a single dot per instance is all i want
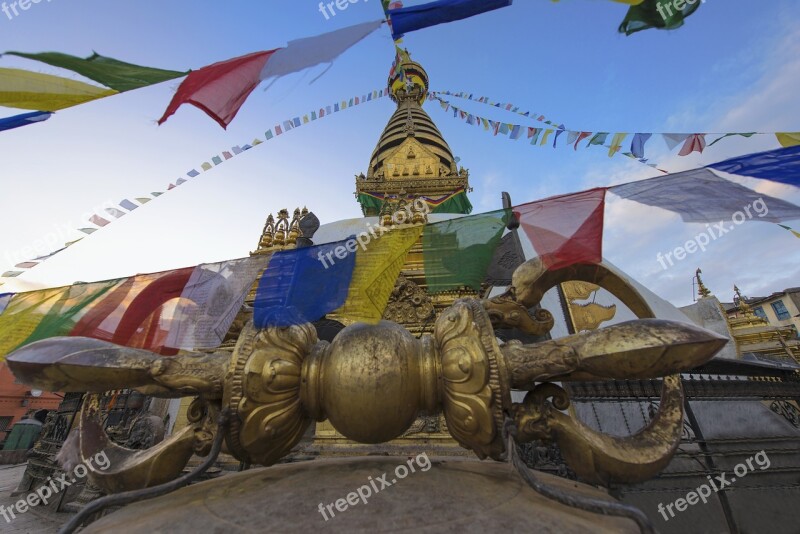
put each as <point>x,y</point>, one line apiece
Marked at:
<point>787,410</point>
<point>263,391</point>
<point>408,303</point>
<point>505,312</point>
<point>476,391</point>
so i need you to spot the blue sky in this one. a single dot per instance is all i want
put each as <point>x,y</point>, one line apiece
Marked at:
<point>733,67</point>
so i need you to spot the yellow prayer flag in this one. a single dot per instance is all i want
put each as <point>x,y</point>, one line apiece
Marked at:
<point>376,271</point>
<point>616,143</point>
<point>23,314</point>
<point>787,139</point>
<point>43,92</point>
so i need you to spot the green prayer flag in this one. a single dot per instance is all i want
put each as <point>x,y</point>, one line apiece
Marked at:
<point>458,252</point>
<point>112,73</point>
<point>457,204</point>
<point>59,320</point>
<point>660,14</point>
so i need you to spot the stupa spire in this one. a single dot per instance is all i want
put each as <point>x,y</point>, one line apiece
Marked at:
<point>411,154</point>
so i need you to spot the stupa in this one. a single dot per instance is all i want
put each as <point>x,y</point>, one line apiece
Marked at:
<point>477,370</point>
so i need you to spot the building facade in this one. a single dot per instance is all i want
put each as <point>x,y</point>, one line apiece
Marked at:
<point>18,400</point>
<point>779,309</point>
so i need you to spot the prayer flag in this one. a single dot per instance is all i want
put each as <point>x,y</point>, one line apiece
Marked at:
<point>99,221</point>
<point>787,139</point>
<point>458,252</point>
<point>566,229</point>
<point>17,121</point>
<point>43,92</point>
<point>110,72</point>
<point>220,89</point>
<point>287,293</point>
<point>694,143</point>
<point>412,18</point>
<point>701,196</point>
<point>780,165</point>
<point>308,52</point>
<point>616,143</point>
<point>661,14</point>
<point>114,212</point>
<point>637,145</point>
<point>128,205</point>
<point>796,234</point>
<point>378,264</point>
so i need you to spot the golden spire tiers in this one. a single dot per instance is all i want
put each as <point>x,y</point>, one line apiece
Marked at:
<point>412,159</point>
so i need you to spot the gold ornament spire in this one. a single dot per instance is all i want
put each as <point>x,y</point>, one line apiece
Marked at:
<point>741,303</point>
<point>702,290</point>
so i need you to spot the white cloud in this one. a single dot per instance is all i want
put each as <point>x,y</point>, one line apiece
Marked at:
<point>759,258</point>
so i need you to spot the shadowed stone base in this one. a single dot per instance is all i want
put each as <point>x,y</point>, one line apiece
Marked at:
<point>453,495</point>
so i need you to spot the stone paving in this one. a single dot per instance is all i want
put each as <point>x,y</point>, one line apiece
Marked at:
<point>33,521</point>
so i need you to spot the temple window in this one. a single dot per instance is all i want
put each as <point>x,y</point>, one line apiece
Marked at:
<point>780,310</point>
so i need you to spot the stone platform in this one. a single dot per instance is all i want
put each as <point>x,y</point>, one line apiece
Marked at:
<point>37,520</point>
<point>451,495</point>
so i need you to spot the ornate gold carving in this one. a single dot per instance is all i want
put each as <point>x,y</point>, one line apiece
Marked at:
<point>476,391</point>
<point>590,316</point>
<point>578,290</point>
<point>600,458</point>
<point>409,303</point>
<point>586,316</point>
<point>281,233</point>
<point>534,363</point>
<point>505,312</point>
<point>702,290</point>
<point>263,392</point>
<point>411,158</point>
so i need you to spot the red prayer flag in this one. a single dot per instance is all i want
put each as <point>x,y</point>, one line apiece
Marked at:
<point>694,143</point>
<point>220,89</point>
<point>99,221</point>
<point>565,229</point>
<point>581,137</point>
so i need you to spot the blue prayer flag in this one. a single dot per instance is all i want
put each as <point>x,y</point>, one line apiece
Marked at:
<point>128,205</point>
<point>781,165</point>
<point>25,119</point>
<point>302,285</point>
<point>412,18</point>
<point>637,145</point>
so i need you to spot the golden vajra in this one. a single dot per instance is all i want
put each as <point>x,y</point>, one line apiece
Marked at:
<point>372,382</point>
